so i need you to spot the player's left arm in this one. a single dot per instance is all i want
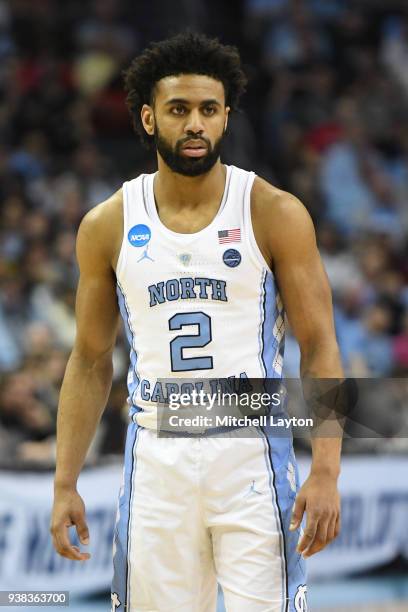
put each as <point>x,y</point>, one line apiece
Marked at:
<point>289,243</point>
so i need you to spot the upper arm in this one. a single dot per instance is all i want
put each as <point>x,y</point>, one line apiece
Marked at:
<point>290,243</point>
<point>96,302</point>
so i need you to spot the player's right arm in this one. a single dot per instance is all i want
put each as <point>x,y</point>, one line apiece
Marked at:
<point>88,376</point>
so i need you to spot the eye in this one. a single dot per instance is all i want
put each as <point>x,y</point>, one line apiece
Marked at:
<point>209,110</point>
<point>179,109</point>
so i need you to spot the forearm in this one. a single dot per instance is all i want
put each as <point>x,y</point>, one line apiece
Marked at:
<point>321,360</point>
<point>83,397</point>
<point>322,373</point>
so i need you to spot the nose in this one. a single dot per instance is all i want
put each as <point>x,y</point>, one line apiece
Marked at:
<point>194,123</point>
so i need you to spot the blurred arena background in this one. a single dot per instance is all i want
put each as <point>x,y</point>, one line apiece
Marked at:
<point>325,117</point>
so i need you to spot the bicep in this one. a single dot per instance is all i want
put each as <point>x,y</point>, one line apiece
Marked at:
<point>96,315</point>
<point>96,302</point>
<point>303,282</point>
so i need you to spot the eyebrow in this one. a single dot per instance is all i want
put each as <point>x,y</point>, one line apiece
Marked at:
<point>184,101</point>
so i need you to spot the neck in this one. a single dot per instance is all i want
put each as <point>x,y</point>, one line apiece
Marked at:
<point>178,191</point>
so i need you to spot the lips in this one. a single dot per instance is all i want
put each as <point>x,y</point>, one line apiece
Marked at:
<point>194,144</point>
<point>194,148</point>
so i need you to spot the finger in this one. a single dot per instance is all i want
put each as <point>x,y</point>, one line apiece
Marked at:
<point>297,514</point>
<point>309,533</point>
<point>63,545</point>
<point>320,539</point>
<point>82,530</point>
<point>60,536</point>
<point>331,529</point>
<point>69,551</point>
<point>338,525</point>
<point>73,553</point>
<point>84,556</point>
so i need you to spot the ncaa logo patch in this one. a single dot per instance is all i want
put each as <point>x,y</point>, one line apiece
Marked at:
<point>300,598</point>
<point>139,235</point>
<point>231,258</point>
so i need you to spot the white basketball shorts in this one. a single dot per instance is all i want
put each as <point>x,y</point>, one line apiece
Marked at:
<point>196,511</point>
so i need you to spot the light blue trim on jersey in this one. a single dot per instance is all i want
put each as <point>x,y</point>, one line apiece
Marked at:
<point>267,297</point>
<point>132,383</point>
<point>279,448</point>
<point>278,519</point>
<point>271,346</point>
<point>131,495</point>
<point>121,561</point>
<point>122,540</point>
<point>261,323</point>
<point>279,453</point>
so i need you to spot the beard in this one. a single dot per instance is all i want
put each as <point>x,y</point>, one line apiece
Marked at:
<point>187,166</point>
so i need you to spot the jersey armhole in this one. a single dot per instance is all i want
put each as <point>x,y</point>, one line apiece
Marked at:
<point>253,247</point>
<point>120,265</point>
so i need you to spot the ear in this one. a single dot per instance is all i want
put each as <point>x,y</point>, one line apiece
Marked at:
<point>227,111</point>
<point>147,117</point>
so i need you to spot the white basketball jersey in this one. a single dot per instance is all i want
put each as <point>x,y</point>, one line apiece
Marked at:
<point>202,305</point>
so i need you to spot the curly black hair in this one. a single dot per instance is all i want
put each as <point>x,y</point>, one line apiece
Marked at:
<point>186,53</point>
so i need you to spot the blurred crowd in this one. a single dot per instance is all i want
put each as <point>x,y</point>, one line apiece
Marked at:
<point>325,117</point>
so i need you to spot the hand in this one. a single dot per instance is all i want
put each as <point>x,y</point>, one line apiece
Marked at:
<point>69,510</point>
<point>320,498</point>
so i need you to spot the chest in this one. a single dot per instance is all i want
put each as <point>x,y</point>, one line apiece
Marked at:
<point>187,221</point>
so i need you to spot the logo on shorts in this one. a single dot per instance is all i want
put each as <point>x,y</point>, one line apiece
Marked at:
<point>139,235</point>
<point>253,490</point>
<point>300,598</point>
<point>115,602</point>
<point>291,474</point>
<point>231,258</point>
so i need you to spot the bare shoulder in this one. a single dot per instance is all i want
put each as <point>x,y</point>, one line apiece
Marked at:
<point>279,219</point>
<point>272,203</point>
<point>101,230</point>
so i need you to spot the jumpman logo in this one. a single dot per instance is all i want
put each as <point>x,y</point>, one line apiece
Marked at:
<point>145,256</point>
<point>300,598</point>
<point>253,490</point>
<point>115,601</point>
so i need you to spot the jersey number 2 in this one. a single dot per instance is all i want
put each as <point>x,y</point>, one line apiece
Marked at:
<point>179,363</point>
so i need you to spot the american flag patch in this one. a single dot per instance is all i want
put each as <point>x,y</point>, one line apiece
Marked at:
<point>232,235</point>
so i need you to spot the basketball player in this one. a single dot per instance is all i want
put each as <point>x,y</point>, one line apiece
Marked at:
<point>200,259</point>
